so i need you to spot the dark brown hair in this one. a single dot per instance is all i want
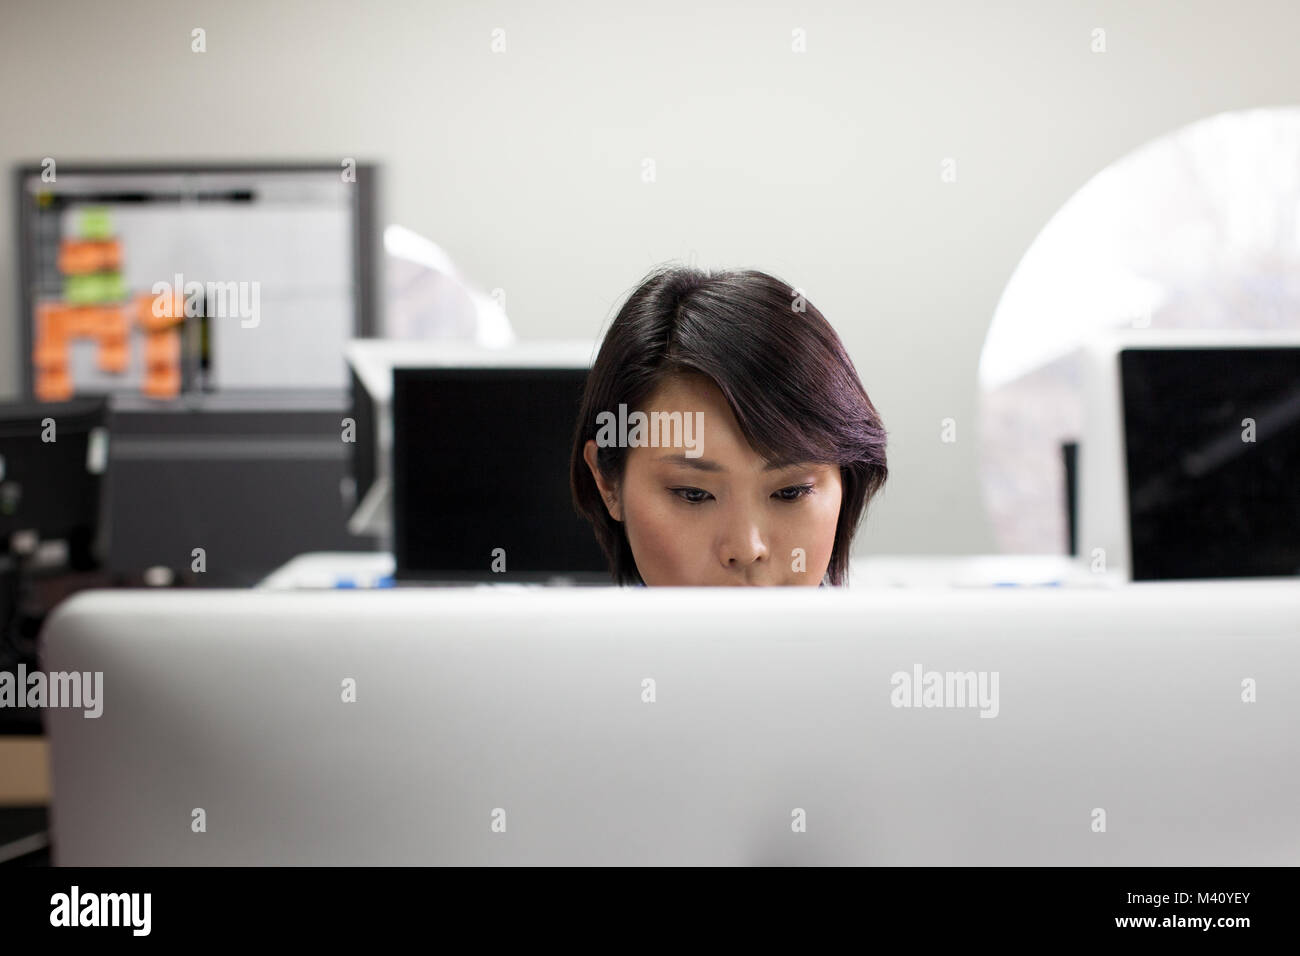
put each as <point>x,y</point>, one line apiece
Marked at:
<point>779,364</point>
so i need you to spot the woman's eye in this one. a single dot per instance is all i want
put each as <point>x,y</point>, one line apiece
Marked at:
<point>794,492</point>
<point>690,494</point>
<point>697,496</point>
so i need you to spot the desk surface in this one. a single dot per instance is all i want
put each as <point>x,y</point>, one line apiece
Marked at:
<point>362,569</point>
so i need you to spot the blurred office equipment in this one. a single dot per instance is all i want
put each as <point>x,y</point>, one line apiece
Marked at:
<point>461,450</point>
<point>1070,462</point>
<point>333,569</point>
<point>52,461</point>
<point>528,708</point>
<point>429,298</point>
<point>212,304</point>
<point>1190,454</point>
<point>258,275</point>
<point>1190,232</point>
<point>481,464</point>
<point>52,458</point>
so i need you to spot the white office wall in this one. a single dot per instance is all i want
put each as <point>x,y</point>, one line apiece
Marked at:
<point>823,167</point>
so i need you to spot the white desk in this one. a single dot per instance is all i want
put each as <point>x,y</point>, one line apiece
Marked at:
<point>362,569</point>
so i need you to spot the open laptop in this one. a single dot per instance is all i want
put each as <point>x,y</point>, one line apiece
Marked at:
<point>1152,724</point>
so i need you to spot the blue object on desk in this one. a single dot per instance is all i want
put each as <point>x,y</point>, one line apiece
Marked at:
<point>386,581</point>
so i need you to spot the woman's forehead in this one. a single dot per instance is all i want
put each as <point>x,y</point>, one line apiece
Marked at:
<point>687,391</point>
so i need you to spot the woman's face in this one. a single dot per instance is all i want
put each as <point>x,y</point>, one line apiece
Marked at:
<point>725,517</point>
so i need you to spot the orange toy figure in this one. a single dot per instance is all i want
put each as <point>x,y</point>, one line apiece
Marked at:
<point>51,322</point>
<point>50,353</point>
<point>162,350</point>
<point>112,325</point>
<point>81,321</point>
<point>91,264</point>
<point>162,347</point>
<point>172,308</point>
<point>81,256</point>
<point>54,386</point>
<point>162,382</point>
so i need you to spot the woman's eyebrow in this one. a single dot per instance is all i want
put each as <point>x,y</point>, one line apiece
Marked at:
<point>705,464</point>
<point>700,464</point>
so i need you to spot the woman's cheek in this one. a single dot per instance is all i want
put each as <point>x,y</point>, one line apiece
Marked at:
<point>660,539</point>
<point>814,532</point>
<point>827,518</point>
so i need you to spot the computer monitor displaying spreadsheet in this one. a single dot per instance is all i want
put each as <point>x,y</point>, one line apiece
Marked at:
<point>159,281</point>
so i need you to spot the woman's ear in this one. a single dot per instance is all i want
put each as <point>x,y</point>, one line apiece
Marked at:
<point>608,491</point>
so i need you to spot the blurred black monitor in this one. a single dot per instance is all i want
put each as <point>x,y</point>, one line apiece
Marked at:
<point>53,456</point>
<point>1070,464</point>
<point>1204,501</point>
<point>480,463</point>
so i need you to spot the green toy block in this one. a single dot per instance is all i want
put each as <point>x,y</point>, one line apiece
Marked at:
<point>112,287</point>
<point>81,290</point>
<point>94,288</point>
<point>96,223</point>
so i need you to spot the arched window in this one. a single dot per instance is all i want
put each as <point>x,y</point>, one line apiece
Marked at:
<point>1199,229</point>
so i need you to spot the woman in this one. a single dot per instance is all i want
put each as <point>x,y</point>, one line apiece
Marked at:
<point>763,449</point>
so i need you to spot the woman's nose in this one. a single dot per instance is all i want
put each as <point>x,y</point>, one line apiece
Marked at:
<point>743,541</point>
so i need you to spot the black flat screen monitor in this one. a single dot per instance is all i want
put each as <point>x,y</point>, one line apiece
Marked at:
<point>480,463</point>
<point>53,456</point>
<point>1206,501</point>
